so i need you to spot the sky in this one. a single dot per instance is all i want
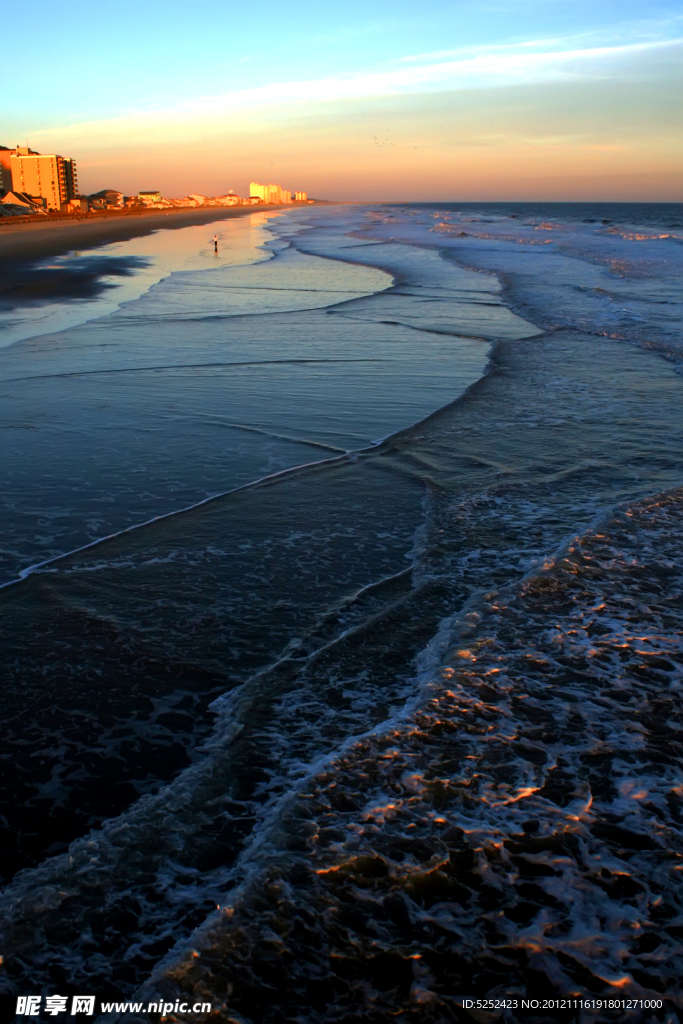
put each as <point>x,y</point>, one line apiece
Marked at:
<point>433,100</point>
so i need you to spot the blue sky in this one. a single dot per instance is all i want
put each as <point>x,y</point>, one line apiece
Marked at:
<point>124,86</point>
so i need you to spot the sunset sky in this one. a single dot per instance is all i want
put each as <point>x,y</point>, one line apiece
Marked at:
<point>467,99</point>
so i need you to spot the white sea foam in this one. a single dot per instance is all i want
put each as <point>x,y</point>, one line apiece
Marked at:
<point>460,775</point>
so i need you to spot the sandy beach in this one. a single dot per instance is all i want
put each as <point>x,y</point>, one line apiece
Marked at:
<point>35,241</point>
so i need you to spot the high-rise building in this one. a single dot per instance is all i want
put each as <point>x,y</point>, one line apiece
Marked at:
<point>5,169</point>
<point>271,194</point>
<point>257,191</point>
<point>51,177</point>
<point>301,197</point>
<point>6,153</point>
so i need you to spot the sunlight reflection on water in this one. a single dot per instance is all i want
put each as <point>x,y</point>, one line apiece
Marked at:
<point>241,240</point>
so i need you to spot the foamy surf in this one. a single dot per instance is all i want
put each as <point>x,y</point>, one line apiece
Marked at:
<point>372,735</point>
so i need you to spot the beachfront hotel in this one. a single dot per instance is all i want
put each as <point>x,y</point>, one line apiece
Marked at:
<point>48,183</point>
<point>49,177</point>
<point>5,169</point>
<point>269,193</point>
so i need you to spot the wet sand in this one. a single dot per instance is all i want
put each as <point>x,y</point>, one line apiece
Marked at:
<point>36,241</point>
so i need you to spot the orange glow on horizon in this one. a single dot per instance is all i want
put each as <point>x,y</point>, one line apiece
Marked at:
<point>559,143</point>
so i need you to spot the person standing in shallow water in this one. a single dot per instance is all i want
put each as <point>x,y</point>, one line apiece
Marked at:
<point>215,244</point>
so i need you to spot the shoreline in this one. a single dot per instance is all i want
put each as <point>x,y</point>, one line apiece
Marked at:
<point>39,240</point>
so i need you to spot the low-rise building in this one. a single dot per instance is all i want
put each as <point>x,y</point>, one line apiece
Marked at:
<point>107,197</point>
<point>229,200</point>
<point>33,203</point>
<point>79,204</point>
<point>150,197</point>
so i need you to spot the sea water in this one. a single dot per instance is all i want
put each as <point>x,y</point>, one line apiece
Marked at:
<point>381,707</point>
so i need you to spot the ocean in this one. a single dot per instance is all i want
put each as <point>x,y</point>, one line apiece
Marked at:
<point>341,613</point>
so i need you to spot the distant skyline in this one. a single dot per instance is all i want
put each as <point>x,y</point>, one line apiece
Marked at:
<point>531,99</point>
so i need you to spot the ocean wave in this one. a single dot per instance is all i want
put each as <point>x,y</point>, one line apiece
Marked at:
<point>519,833</point>
<point>371,735</point>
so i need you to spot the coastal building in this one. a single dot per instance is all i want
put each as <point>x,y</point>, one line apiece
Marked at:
<point>35,204</point>
<point>106,197</point>
<point>150,197</point>
<point>50,176</point>
<point>301,197</point>
<point>6,167</point>
<point>229,200</point>
<point>257,191</point>
<point>193,200</point>
<point>271,194</point>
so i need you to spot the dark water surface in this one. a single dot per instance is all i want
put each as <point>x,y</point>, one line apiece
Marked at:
<point>395,717</point>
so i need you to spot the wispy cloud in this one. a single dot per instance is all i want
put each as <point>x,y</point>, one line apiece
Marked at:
<point>643,31</point>
<point>483,69</point>
<point>463,52</point>
<point>523,64</point>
